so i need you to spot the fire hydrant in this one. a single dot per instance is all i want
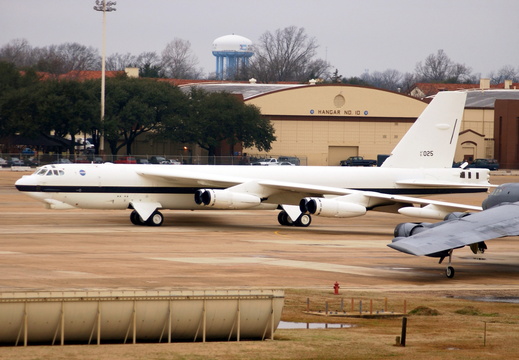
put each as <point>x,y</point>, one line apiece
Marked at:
<point>336,288</point>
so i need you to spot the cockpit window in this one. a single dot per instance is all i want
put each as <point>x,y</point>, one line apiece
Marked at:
<point>50,172</point>
<point>497,191</point>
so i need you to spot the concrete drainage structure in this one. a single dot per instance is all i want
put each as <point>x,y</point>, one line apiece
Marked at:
<point>145,316</point>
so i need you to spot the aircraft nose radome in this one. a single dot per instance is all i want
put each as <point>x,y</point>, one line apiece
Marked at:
<point>25,180</point>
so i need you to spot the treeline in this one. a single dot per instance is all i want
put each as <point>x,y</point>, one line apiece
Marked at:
<point>67,109</point>
<point>288,54</point>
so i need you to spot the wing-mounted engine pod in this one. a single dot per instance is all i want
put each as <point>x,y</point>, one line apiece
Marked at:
<point>202,197</point>
<point>409,229</point>
<point>331,208</point>
<point>224,199</point>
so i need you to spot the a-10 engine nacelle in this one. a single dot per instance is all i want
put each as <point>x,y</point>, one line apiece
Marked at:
<point>410,229</point>
<point>224,199</point>
<point>330,207</point>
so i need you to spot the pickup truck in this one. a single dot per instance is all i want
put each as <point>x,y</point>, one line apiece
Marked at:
<point>272,162</point>
<point>266,162</point>
<point>358,161</point>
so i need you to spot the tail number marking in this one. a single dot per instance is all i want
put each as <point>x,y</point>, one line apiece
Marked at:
<point>427,153</point>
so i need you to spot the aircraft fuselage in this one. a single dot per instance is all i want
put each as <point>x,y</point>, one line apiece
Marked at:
<point>115,186</point>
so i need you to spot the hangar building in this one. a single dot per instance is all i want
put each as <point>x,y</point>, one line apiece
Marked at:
<point>323,124</point>
<point>328,123</point>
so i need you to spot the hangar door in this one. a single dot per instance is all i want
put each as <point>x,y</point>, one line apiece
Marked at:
<point>338,153</point>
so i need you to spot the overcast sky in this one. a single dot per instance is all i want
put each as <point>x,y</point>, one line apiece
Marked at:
<point>354,35</point>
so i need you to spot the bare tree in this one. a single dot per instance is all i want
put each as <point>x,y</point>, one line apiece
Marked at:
<point>178,60</point>
<point>17,52</point>
<point>60,59</point>
<point>507,72</point>
<point>118,62</point>
<point>149,64</point>
<point>390,79</point>
<point>439,68</point>
<point>286,55</point>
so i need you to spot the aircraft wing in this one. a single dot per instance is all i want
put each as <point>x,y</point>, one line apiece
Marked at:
<point>191,178</point>
<point>434,183</point>
<point>289,193</point>
<point>496,222</point>
<point>374,195</point>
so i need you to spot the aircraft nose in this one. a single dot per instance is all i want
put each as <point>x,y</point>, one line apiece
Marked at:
<point>24,181</point>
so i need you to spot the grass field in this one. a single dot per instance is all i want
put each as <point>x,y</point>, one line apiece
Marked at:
<point>456,332</point>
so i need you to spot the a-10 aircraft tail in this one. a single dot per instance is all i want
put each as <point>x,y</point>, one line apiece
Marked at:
<point>431,141</point>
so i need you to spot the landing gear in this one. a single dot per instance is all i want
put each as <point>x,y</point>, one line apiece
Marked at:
<point>284,219</point>
<point>303,220</point>
<point>156,219</point>
<point>136,219</point>
<point>449,272</point>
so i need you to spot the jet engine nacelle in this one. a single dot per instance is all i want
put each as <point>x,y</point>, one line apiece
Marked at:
<point>408,229</point>
<point>331,208</point>
<point>224,199</point>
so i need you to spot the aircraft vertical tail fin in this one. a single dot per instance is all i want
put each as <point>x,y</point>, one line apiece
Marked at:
<point>431,141</point>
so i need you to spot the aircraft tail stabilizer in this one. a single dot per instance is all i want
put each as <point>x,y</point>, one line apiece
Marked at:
<point>431,141</point>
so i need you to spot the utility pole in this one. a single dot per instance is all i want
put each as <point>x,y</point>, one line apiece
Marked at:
<point>104,6</point>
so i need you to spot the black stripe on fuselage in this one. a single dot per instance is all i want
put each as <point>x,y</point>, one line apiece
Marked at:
<point>192,190</point>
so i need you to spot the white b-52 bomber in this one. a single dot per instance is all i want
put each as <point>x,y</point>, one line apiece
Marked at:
<point>420,164</point>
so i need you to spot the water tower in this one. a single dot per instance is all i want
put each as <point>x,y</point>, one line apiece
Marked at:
<point>232,53</point>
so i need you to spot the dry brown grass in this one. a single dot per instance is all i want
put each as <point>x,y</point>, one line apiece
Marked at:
<point>453,334</point>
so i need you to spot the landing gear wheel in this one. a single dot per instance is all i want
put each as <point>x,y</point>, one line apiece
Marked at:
<point>304,220</point>
<point>156,219</point>
<point>284,219</point>
<point>136,219</point>
<point>449,272</point>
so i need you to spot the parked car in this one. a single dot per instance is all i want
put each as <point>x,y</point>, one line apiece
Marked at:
<point>490,164</point>
<point>3,162</point>
<point>126,160</point>
<point>62,161</point>
<point>358,161</point>
<point>27,151</point>
<point>14,161</point>
<point>291,159</point>
<point>89,159</point>
<point>32,161</point>
<point>84,144</point>
<point>157,159</point>
<point>171,162</point>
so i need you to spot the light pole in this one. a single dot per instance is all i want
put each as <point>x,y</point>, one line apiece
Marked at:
<point>104,6</point>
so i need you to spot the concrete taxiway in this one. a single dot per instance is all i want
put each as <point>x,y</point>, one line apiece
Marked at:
<point>94,249</point>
